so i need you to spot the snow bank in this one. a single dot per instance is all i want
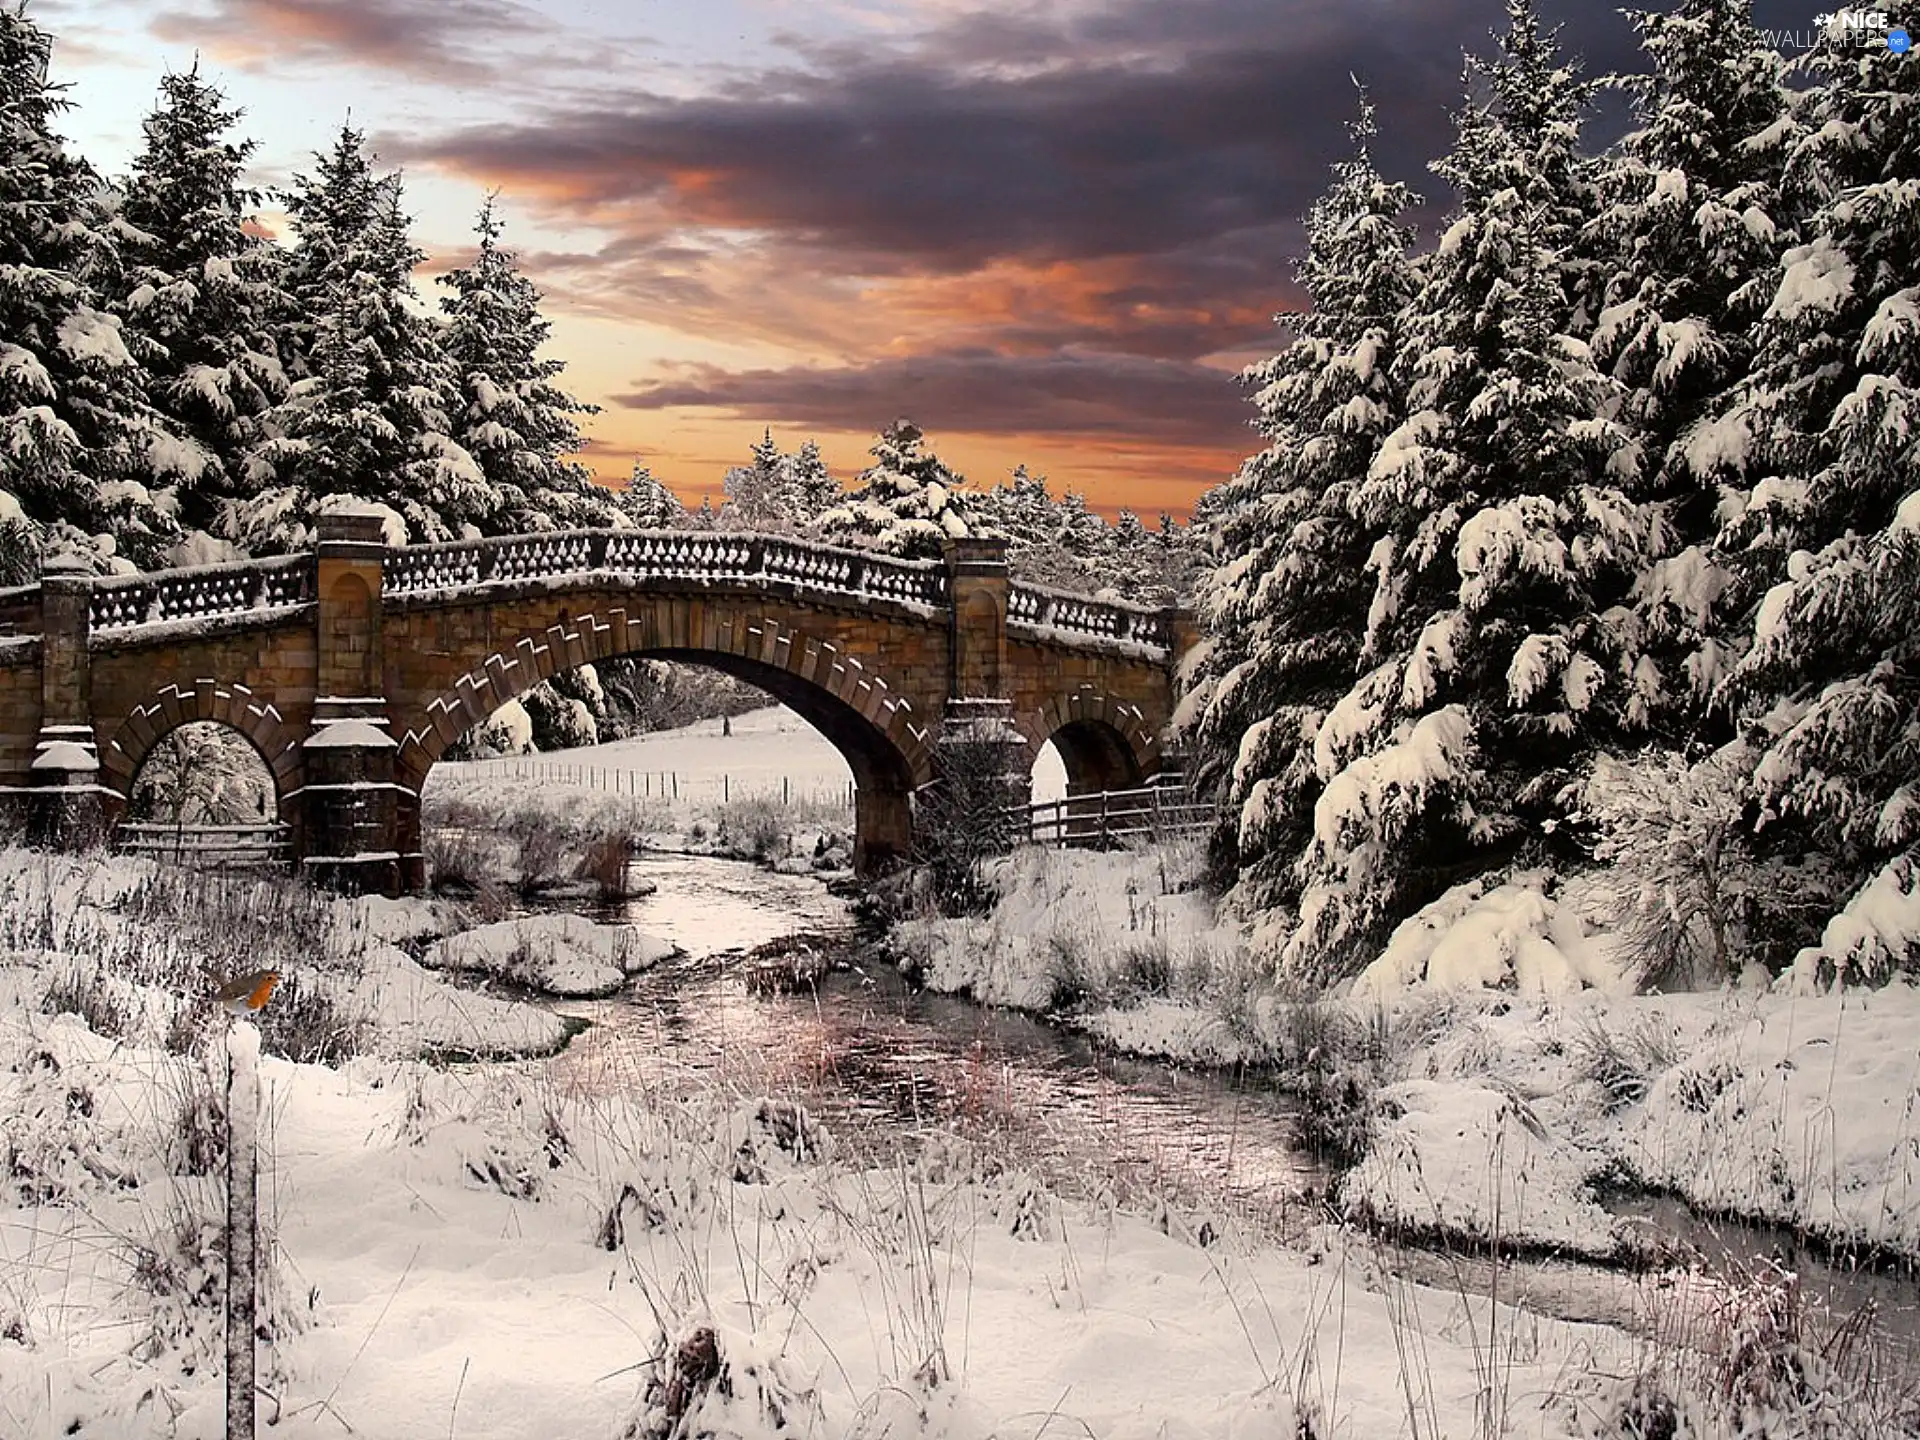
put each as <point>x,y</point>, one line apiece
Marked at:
<point>557,954</point>
<point>417,1013</point>
<point>1802,1111</point>
<point>1512,937</point>
<point>1068,917</point>
<point>1877,934</point>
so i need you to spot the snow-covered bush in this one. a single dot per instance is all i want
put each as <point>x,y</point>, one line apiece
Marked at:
<point>1875,938</point>
<point>1683,889</point>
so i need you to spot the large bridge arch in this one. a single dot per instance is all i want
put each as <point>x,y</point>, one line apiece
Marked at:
<point>846,697</point>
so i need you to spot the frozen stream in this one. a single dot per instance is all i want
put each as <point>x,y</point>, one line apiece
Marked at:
<point>882,1064</point>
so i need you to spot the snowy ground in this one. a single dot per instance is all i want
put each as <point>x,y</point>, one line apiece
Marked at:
<point>1505,1073</point>
<point>475,1251</point>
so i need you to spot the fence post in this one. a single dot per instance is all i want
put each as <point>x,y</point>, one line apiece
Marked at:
<point>1103,820</point>
<point>243,1159</point>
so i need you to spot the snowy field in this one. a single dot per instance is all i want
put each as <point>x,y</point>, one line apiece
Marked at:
<point>766,752</point>
<point>476,1251</point>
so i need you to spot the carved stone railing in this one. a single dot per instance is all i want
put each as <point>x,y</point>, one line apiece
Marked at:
<point>20,610</point>
<point>264,587</point>
<point>1069,616</point>
<point>639,555</point>
<point>208,592</point>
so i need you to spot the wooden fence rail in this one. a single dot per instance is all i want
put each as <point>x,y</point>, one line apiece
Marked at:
<point>1112,818</point>
<point>213,847</point>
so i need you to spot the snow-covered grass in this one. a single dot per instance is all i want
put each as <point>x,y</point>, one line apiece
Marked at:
<point>554,954</point>
<point>1492,1074</point>
<point>478,1250</point>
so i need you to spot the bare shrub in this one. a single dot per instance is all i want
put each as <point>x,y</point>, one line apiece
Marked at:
<point>1743,1353</point>
<point>1684,887</point>
<point>1071,984</point>
<point>605,863</point>
<point>460,858</point>
<point>755,826</point>
<point>1623,1063</point>
<point>81,989</point>
<point>539,850</point>
<point>1144,971</point>
<point>963,819</point>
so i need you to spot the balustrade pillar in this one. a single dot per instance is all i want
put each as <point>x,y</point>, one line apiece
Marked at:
<point>350,803</point>
<point>69,807</point>
<point>978,737</point>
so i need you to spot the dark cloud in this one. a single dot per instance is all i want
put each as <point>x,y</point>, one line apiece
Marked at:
<point>1075,394</point>
<point>1027,220</point>
<point>448,40</point>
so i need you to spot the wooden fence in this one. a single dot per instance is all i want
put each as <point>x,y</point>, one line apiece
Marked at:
<point>266,846</point>
<point>1113,818</point>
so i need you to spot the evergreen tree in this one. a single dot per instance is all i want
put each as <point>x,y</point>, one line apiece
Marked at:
<point>82,453</point>
<point>1692,225</point>
<point>199,291</point>
<point>815,491</point>
<point>1826,503</point>
<point>509,415</point>
<point>762,495</point>
<point>1049,542</point>
<point>332,210</point>
<point>1506,535</point>
<point>370,422</point>
<point>907,502</point>
<point>647,504</point>
<point>1286,603</point>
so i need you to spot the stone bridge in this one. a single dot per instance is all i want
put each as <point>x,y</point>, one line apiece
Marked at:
<point>352,668</point>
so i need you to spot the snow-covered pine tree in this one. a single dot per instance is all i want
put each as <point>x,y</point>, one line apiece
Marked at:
<point>370,423</point>
<point>815,491</point>
<point>762,495</point>
<point>1046,544</point>
<point>82,453</point>
<point>647,504</point>
<point>1688,238</point>
<point>907,503</point>
<point>1129,560</point>
<point>1285,604</point>
<point>1828,503</point>
<point>199,291</point>
<point>1507,534</point>
<point>331,209</point>
<point>510,416</point>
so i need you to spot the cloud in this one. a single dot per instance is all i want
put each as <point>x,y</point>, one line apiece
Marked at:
<point>446,40</point>
<point>1078,394</point>
<point>1034,219</point>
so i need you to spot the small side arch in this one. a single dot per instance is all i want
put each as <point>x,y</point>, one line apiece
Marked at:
<point>1105,744</point>
<point>175,705</point>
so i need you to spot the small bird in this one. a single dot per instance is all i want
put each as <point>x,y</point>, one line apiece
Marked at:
<point>248,994</point>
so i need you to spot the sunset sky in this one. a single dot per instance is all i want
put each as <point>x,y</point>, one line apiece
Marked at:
<point>1049,231</point>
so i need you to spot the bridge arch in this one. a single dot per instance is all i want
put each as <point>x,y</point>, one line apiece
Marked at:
<point>1104,743</point>
<point>234,706</point>
<point>846,698</point>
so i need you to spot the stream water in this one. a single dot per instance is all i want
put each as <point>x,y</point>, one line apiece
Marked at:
<point>881,1063</point>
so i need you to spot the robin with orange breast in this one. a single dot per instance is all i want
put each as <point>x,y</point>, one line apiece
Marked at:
<point>247,994</point>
